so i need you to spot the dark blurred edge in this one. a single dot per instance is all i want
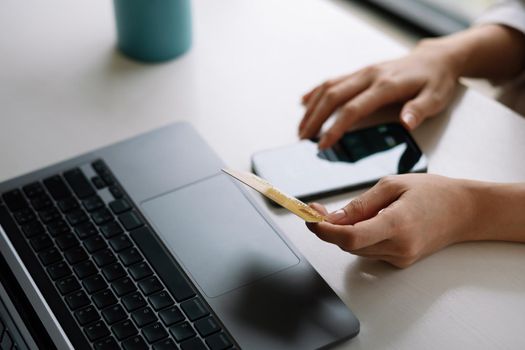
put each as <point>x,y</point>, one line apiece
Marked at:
<point>416,17</point>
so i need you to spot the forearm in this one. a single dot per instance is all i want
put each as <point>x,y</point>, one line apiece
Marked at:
<point>498,211</point>
<point>487,51</point>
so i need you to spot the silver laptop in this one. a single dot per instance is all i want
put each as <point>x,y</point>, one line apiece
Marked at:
<point>145,244</point>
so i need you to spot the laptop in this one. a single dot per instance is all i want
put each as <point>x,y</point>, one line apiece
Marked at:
<point>146,244</point>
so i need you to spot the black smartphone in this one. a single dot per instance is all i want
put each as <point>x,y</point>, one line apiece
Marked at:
<point>359,159</point>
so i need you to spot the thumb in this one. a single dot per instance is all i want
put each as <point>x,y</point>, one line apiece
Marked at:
<point>427,103</point>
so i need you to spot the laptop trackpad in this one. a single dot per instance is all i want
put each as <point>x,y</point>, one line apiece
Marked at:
<point>217,235</point>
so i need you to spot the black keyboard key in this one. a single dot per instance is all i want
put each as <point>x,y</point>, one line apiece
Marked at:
<point>34,189</point>
<point>135,343</point>
<point>66,241</point>
<point>124,329</point>
<point>87,315</point>
<point>144,317</point>
<point>171,315</point>
<point>207,326</point>
<point>32,229</point>
<point>140,270</point>
<point>119,206</point>
<point>114,314</point>
<point>103,172</point>
<point>93,203</point>
<point>58,227</point>
<point>101,216</point>
<point>99,166</point>
<point>218,341</point>
<point>163,263</point>
<point>119,243</point>
<point>116,192</point>
<point>106,344</point>
<point>24,216</point>
<point>104,298</point>
<point>84,269</point>
<point>94,283</point>
<point>154,332</point>
<point>98,182</point>
<point>59,270</point>
<point>40,242</point>
<point>133,301</point>
<point>75,255</point>
<point>150,285</point>
<point>68,285</point>
<point>95,243</point>
<point>96,331</point>
<point>86,230</point>
<point>107,178</point>
<point>113,271</point>
<point>49,256</point>
<point>41,202</point>
<point>160,300</point>
<point>79,183</point>
<point>166,344</point>
<point>57,187</point>
<point>67,204</point>
<point>193,344</point>
<point>130,256</point>
<point>130,220</point>
<point>194,309</point>
<point>123,286</point>
<point>77,217</point>
<point>77,299</point>
<point>49,214</point>
<point>111,229</point>
<point>182,331</point>
<point>104,257</point>
<point>15,200</point>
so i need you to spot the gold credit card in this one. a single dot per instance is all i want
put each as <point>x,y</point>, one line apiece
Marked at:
<point>292,204</point>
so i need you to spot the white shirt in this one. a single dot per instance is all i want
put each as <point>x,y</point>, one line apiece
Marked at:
<point>512,14</point>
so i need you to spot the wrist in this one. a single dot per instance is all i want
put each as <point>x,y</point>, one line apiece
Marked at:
<point>497,211</point>
<point>448,54</point>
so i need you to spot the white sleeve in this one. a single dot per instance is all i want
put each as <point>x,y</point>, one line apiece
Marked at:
<point>508,12</point>
<point>512,14</point>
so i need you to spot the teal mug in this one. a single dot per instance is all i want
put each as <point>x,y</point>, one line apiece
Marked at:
<point>153,30</point>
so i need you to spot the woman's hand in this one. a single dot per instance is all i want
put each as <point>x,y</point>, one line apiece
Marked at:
<point>404,218</point>
<point>425,80</point>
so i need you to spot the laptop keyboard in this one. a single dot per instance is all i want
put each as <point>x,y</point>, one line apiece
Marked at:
<point>122,288</point>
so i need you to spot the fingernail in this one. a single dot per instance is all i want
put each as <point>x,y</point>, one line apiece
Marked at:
<point>336,216</point>
<point>323,143</point>
<point>409,120</point>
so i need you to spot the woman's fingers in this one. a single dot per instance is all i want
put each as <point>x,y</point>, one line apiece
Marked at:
<point>429,102</point>
<point>368,204</point>
<point>330,98</point>
<point>306,97</point>
<point>358,236</point>
<point>379,94</point>
<point>384,248</point>
<point>320,208</point>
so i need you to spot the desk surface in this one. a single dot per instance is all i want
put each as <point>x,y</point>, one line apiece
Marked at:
<point>65,90</point>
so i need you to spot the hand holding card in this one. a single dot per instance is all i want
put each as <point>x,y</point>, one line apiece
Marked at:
<point>294,205</point>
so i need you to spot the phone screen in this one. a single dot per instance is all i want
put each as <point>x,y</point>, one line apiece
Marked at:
<point>360,158</point>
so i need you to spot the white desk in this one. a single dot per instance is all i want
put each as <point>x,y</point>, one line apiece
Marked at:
<point>64,90</point>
